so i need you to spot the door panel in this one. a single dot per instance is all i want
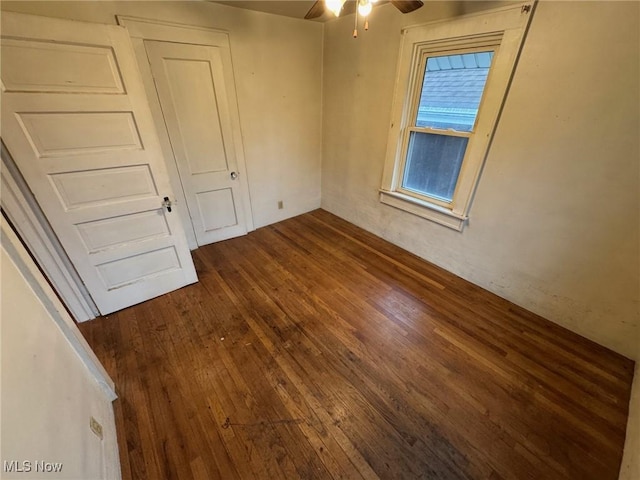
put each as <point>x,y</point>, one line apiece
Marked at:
<point>42,66</point>
<point>76,120</point>
<point>220,217</point>
<point>99,235</point>
<point>194,99</point>
<point>62,134</point>
<point>198,121</point>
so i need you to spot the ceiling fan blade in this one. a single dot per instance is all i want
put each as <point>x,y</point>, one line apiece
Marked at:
<point>317,10</point>
<point>348,8</point>
<point>407,6</point>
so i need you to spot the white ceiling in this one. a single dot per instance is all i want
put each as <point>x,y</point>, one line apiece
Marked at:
<point>288,8</point>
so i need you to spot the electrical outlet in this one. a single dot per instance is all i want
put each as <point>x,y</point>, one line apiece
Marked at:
<point>95,427</point>
<point>280,204</point>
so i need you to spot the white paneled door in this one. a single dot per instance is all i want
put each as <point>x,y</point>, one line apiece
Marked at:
<point>76,120</point>
<point>196,105</point>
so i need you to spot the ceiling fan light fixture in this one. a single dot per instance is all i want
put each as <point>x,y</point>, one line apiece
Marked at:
<point>335,6</point>
<point>364,7</point>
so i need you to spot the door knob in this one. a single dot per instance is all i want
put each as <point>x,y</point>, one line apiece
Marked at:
<point>167,204</point>
<point>234,175</point>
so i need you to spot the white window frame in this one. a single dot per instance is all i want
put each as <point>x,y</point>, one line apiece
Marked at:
<point>499,30</point>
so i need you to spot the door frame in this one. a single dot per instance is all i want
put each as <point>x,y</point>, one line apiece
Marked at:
<point>141,29</point>
<point>31,225</point>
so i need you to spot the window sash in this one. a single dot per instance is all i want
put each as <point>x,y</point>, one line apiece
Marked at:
<point>481,46</point>
<point>438,131</point>
<point>402,164</point>
<point>419,72</point>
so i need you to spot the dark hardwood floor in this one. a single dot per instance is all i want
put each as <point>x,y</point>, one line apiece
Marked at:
<point>311,349</point>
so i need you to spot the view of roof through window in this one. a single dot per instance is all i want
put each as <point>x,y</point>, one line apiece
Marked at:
<point>452,90</point>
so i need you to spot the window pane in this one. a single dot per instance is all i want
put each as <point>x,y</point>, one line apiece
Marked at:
<point>433,164</point>
<point>452,90</point>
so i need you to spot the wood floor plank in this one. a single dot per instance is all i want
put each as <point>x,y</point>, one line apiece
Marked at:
<point>356,315</point>
<point>550,331</point>
<point>354,347</point>
<point>312,349</point>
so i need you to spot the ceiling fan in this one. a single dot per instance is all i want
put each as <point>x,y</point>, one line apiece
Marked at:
<point>364,6</point>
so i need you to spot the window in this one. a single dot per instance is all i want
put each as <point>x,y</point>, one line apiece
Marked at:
<point>443,122</point>
<point>449,93</point>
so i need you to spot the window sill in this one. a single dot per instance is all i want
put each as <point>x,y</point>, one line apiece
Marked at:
<point>421,208</point>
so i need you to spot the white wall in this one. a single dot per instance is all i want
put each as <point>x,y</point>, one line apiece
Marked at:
<point>48,391</point>
<point>630,469</point>
<point>278,71</point>
<point>555,222</point>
